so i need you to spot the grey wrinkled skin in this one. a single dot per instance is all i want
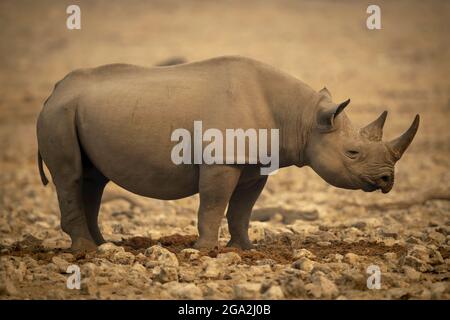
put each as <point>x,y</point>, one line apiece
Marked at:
<point>114,122</point>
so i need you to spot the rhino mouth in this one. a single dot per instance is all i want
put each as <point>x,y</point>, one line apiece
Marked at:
<point>369,185</point>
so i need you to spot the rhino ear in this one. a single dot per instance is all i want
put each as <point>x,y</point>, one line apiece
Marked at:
<point>374,130</point>
<point>325,92</point>
<point>325,117</point>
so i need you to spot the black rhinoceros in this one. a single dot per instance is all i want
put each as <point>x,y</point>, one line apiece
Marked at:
<point>114,123</point>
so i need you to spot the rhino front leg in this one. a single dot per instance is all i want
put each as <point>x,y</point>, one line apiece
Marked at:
<point>239,212</point>
<point>216,185</point>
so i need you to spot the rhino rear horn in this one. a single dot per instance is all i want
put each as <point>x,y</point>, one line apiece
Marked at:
<point>325,117</point>
<point>374,130</point>
<point>398,146</point>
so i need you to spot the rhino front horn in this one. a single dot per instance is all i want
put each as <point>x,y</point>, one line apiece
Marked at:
<point>374,130</point>
<point>399,145</point>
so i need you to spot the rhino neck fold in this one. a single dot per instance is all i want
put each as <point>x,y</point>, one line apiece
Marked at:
<point>293,105</point>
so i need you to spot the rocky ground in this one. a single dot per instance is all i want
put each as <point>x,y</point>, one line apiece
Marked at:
<point>312,241</point>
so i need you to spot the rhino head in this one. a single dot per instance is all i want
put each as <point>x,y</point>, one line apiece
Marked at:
<point>349,158</point>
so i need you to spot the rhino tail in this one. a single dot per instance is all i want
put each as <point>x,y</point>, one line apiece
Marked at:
<point>41,170</point>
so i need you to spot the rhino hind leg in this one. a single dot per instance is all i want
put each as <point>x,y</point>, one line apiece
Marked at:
<point>59,147</point>
<point>216,185</point>
<point>239,212</point>
<point>94,183</point>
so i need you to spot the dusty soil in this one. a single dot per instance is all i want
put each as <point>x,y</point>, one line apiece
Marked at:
<point>312,240</point>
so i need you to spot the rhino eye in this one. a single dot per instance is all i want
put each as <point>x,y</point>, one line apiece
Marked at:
<point>352,154</point>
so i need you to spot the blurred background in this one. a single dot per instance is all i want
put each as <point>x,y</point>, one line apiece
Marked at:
<point>402,68</point>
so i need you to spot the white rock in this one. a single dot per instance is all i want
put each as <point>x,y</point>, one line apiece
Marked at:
<point>187,275</point>
<point>88,269</point>
<point>391,257</point>
<point>351,258</point>
<point>303,228</point>
<point>141,258</point>
<point>211,268</point>
<point>438,289</point>
<point>321,287</point>
<point>123,258</point>
<point>301,253</point>
<point>247,291</point>
<point>186,291</point>
<point>304,264</point>
<point>411,273</point>
<point>165,274</point>
<point>229,258</point>
<point>8,288</point>
<point>139,267</point>
<point>256,232</point>
<point>189,253</point>
<point>60,263</point>
<point>109,248</point>
<point>162,256</point>
<point>273,293</point>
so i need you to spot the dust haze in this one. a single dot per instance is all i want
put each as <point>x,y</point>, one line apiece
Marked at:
<point>313,241</point>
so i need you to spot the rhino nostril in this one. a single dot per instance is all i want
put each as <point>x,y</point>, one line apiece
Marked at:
<point>385,178</point>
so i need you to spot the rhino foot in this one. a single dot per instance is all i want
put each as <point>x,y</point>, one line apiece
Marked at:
<point>244,245</point>
<point>81,245</point>
<point>201,244</point>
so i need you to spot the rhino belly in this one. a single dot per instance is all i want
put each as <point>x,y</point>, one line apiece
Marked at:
<point>134,151</point>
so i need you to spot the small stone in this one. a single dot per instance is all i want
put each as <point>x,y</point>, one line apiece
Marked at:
<point>351,258</point>
<point>88,269</point>
<point>273,293</point>
<point>391,257</point>
<point>300,227</point>
<point>8,288</point>
<point>60,263</point>
<point>294,287</point>
<point>321,287</point>
<point>186,275</point>
<point>141,258</point>
<point>444,230</point>
<point>165,274</point>
<point>123,258</point>
<point>247,291</point>
<point>186,291</point>
<point>417,264</point>
<point>304,264</point>
<point>161,256</point>
<point>389,233</point>
<point>411,273</point>
<point>190,254</point>
<point>229,258</point>
<point>436,237</point>
<point>266,261</point>
<point>300,253</point>
<point>412,240</point>
<point>67,256</point>
<point>359,225</point>
<point>438,289</point>
<point>256,232</point>
<point>139,267</point>
<point>109,248</point>
<point>211,268</point>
